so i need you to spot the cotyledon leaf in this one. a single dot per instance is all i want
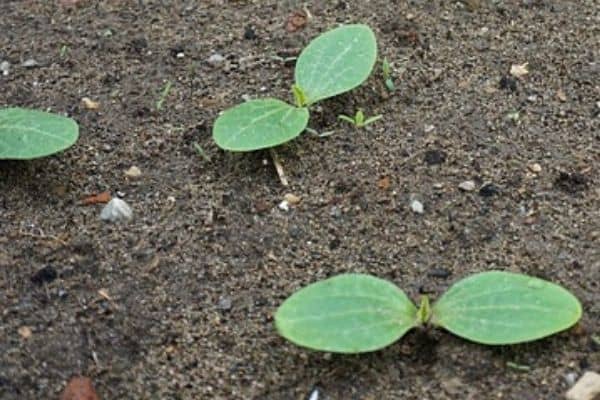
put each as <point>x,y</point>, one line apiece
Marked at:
<point>349,313</point>
<point>27,134</point>
<point>336,61</point>
<point>259,124</point>
<point>498,307</point>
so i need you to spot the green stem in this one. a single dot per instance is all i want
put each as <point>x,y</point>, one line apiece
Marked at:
<point>424,312</point>
<point>299,95</point>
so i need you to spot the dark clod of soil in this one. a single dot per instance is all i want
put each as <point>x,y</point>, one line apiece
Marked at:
<point>571,182</point>
<point>44,275</point>
<point>434,157</point>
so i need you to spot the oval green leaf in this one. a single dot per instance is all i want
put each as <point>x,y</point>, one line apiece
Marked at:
<point>349,313</point>
<point>27,134</point>
<point>259,124</point>
<point>336,61</point>
<point>498,307</point>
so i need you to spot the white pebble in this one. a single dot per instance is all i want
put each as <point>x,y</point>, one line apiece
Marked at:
<point>116,210</point>
<point>467,186</point>
<point>216,59</point>
<point>417,207</point>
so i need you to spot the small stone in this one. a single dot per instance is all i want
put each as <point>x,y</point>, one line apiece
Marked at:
<point>133,172</point>
<point>181,54</point>
<point>79,388</point>
<point>519,70</point>
<point>535,168</point>
<point>116,210</point>
<point>5,68</point>
<point>467,186</point>
<point>571,378</point>
<point>25,332</point>
<point>314,395</point>
<point>586,388</point>
<point>284,206</point>
<point>225,303</point>
<point>216,58</point>
<point>417,207</point>
<point>561,95</point>
<point>292,199</point>
<point>428,128</point>
<point>532,98</point>
<point>30,63</point>
<point>90,104</point>
<point>335,212</point>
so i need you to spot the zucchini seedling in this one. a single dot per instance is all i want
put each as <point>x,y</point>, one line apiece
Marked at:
<point>356,313</point>
<point>359,120</point>
<point>26,134</point>
<point>386,71</point>
<point>335,62</point>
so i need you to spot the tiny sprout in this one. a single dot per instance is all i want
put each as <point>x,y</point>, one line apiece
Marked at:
<point>163,96</point>
<point>386,70</point>
<point>359,120</point>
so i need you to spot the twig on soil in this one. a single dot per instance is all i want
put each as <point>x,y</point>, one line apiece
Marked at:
<point>279,168</point>
<point>42,236</point>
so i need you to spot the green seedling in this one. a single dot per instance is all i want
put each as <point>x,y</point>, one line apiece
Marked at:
<point>356,313</point>
<point>359,120</point>
<point>386,70</point>
<point>63,50</point>
<point>27,134</point>
<point>201,152</point>
<point>163,96</point>
<point>335,62</point>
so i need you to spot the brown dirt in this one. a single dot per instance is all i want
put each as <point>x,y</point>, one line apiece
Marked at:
<point>191,284</point>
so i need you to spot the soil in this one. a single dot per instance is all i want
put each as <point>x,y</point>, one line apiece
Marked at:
<point>178,303</point>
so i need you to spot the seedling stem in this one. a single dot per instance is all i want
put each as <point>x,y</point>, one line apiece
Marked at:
<point>299,95</point>
<point>424,312</point>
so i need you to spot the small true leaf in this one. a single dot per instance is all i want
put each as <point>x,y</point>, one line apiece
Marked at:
<point>27,134</point>
<point>259,124</point>
<point>349,313</point>
<point>336,61</point>
<point>500,307</point>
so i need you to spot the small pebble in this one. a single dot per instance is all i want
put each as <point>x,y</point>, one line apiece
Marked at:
<point>225,303</point>
<point>284,206</point>
<point>428,128</point>
<point>535,167</point>
<point>467,186</point>
<point>416,206</point>
<point>292,199</point>
<point>133,172</point>
<point>314,395</point>
<point>216,58</point>
<point>5,67</point>
<point>90,104</point>
<point>586,388</point>
<point>30,63</point>
<point>571,378</point>
<point>180,55</point>
<point>116,210</point>
<point>335,212</point>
